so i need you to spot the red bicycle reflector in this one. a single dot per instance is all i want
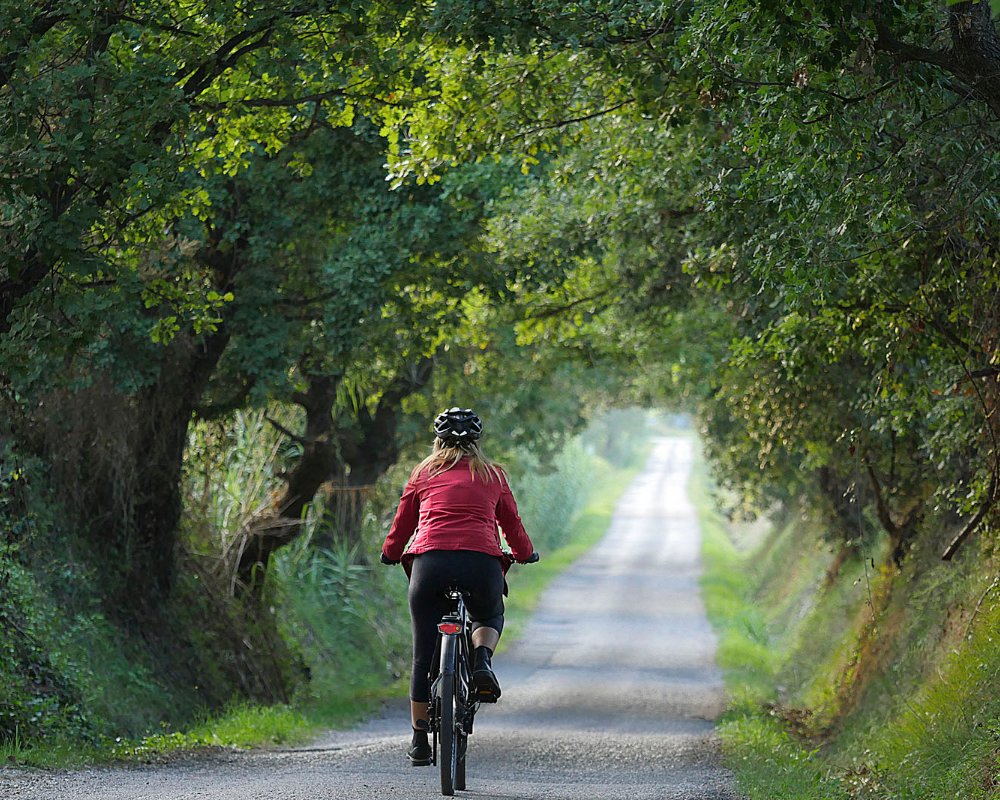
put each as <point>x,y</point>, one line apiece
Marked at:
<point>449,627</point>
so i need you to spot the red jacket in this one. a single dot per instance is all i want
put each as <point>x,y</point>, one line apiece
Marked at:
<point>456,510</point>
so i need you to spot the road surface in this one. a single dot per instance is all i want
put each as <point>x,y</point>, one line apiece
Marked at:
<point>609,693</point>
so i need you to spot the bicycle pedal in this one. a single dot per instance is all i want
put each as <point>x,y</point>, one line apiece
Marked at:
<point>485,695</point>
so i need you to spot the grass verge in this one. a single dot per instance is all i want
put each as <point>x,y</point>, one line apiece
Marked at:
<point>767,761</point>
<point>871,683</point>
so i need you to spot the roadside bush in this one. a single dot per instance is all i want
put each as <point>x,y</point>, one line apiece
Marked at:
<point>549,495</point>
<point>346,618</point>
<point>548,498</point>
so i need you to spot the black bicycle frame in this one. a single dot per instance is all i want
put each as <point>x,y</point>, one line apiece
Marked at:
<point>456,624</point>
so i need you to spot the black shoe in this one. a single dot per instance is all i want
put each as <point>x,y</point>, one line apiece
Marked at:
<point>420,750</point>
<point>485,682</point>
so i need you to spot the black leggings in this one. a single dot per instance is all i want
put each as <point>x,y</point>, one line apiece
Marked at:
<point>479,574</point>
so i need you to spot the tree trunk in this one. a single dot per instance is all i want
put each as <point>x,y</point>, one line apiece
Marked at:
<point>974,55</point>
<point>163,414</point>
<point>904,532</point>
<point>842,502</point>
<point>368,451</point>
<point>351,460</point>
<point>282,522</point>
<point>976,50</point>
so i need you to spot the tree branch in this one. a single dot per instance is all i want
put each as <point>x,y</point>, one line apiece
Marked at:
<point>975,522</point>
<point>293,436</point>
<point>974,57</point>
<point>562,123</point>
<point>554,311</point>
<point>888,43</point>
<point>224,57</point>
<point>43,22</point>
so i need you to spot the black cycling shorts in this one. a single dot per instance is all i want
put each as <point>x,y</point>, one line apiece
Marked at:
<point>433,573</point>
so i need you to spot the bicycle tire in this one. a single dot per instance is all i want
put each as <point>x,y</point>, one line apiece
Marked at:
<point>463,683</point>
<point>449,722</point>
<point>460,773</point>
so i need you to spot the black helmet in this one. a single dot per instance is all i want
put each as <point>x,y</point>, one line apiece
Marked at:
<point>458,426</point>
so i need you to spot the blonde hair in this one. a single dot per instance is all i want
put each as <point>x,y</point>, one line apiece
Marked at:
<point>443,457</point>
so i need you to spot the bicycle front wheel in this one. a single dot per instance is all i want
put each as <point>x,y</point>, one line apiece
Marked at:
<point>463,744</point>
<point>450,720</point>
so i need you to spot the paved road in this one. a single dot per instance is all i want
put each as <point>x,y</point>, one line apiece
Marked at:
<point>609,694</point>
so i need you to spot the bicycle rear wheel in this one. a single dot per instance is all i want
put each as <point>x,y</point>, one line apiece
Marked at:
<point>465,712</point>
<point>451,722</point>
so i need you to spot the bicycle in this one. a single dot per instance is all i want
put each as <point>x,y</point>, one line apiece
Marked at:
<point>454,702</point>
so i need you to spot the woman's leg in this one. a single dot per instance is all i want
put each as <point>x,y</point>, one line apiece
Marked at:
<point>427,606</point>
<point>486,637</point>
<point>485,605</point>
<point>428,581</point>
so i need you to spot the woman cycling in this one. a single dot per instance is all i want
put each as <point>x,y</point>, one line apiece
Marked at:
<point>454,500</point>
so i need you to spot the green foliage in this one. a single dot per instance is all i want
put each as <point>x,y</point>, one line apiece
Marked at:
<point>620,435</point>
<point>41,695</point>
<point>230,470</point>
<point>346,616</point>
<point>787,210</point>
<point>550,496</point>
<point>71,677</point>
<point>549,499</point>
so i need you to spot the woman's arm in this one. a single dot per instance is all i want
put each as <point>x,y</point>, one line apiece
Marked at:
<point>510,523</point>
<point>404,523</point>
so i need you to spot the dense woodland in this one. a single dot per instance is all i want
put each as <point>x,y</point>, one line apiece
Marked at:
<point>334,218</point>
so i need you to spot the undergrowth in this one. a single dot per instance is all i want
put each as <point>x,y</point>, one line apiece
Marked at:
<point>869,683</point>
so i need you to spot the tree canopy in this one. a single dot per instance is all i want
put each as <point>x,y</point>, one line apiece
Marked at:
<point>814,185</point>
<point>782,217</point>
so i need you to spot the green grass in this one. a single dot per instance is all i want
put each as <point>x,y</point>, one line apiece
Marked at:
<point>243,725</point>
<point>51,754</point>
<point>744,650</point>
<point>12,751</point>
<point>767,761</point>
<point>944,741</point>
<point>824,704</point>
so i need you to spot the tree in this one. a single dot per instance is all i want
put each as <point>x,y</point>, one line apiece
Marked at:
<point>143,239</point>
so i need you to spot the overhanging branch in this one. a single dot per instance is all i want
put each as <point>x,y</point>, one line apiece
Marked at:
<point>975,522</point>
